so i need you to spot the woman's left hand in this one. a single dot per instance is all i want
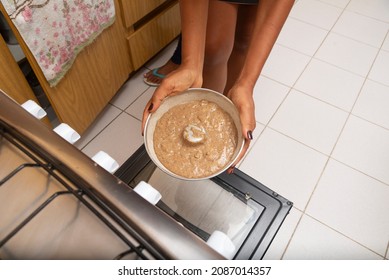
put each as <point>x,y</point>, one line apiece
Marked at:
<point>242,97</point>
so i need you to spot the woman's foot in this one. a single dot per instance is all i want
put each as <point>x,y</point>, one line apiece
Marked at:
<point>154,77</point>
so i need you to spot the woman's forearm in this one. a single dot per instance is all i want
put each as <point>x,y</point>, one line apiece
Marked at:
<point>271,16</point>
<point>194,15</point>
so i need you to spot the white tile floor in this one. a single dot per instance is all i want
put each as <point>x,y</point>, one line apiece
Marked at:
<point>322,138</point>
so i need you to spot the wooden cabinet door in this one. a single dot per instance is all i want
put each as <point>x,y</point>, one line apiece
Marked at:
<point>96,75</point>
<point>134,10</point>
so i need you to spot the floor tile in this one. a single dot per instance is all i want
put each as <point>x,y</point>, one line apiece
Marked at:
<point>344,193</point>
<point>360,28</point>
<point>280,242</point>
<point>120,139</point>
<point>104,119</point>
<point>285,166</point>
<point>385,45</point>
<point>315,241</point>
<point>286,73</point>
<point>301,36</point>
<point>317,13</point>
<point>379,71</point>
<point>373,103</point>
<point>365,147</point>
<point>130,91</point>
<point>338,3</point>
<point>136,109</point>
<point>378,9</point>
<point>347,53</point>
<point>268,96</point>
<point>309,121</point>
<point>330,84</point>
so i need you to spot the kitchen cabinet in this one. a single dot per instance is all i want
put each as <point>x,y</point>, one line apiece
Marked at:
<point>151,25</point>
<point>140,31</point>
<point>94,78</point>
<point>12,80</point>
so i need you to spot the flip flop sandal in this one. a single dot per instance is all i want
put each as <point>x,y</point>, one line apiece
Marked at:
<point>156,74</point>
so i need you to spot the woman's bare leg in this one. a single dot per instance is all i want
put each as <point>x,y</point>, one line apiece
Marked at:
<point>219,43</point>
<point>243,34</point>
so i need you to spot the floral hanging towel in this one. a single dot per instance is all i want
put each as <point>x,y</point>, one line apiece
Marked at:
<point>57,30</point>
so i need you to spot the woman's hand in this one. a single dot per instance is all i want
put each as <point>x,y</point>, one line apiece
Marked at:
<point>242,97</point>
<point>175,83</point>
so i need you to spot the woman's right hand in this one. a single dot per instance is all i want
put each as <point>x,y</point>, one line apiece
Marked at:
<point>175,83</point>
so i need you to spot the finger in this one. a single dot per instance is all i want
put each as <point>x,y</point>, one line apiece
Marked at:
<point>158,96</point>
<point>146,113</point>
<point>241,155</point>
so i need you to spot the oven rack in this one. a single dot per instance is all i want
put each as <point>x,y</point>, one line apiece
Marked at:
<point>145,230</point>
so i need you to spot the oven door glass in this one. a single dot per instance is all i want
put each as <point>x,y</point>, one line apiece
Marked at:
<point>248,212</point>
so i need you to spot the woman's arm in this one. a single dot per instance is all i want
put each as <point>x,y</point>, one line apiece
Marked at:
<point>194,15</point>
<point>271,16</point>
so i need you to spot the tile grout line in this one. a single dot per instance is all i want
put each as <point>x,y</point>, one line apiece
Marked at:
<point>330,155</point>
<point>345,236</point>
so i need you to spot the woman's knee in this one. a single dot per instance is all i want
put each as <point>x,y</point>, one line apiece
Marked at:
<point>218,50</point>
<point>242,42</point>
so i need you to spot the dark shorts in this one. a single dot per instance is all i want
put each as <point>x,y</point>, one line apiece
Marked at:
<point>247,2</point>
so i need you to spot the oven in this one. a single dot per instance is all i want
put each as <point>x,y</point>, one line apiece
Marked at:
<point>57,203</point>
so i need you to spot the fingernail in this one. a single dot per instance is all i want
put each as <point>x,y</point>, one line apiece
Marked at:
<point>250,135</point>
<point>151,107</point>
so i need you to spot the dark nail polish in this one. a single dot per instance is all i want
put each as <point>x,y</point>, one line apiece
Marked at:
<point>151,107</point>
<point>250,135</point>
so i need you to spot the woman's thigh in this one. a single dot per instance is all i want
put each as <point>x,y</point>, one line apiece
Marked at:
<point>245,25</point>
<point>221,26</point>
